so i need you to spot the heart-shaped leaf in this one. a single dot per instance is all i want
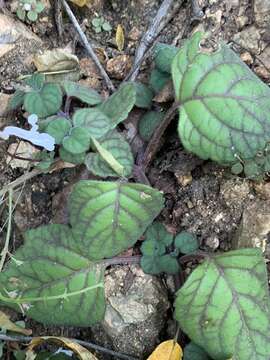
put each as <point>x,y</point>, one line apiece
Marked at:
<point>109,217</point>
<point>224,111</point>
<point>115,144</point>
<point>53,282</point>
<point>35,81</point>
<point>158,79</point>
<point>83,93</point>
<point>94,121</point>
<point>58,128</point>
<point>144,96</point>
<point>148,123</point>
<point>44,102</point>
<point>154,259</point>
<point>118,105</point>
<point>71,158</point>
<point>77,141</point>
<point>163,56</point>
<point>224,306</point>
<point>186,242</point>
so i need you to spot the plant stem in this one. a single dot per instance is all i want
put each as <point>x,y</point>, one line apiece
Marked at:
<point>89,345</point>
<point>154,143</point>
<point>118,260</point>
<point>87,45</point>
<point>5,249</point>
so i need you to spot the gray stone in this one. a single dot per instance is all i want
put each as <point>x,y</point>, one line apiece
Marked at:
<point>136,310</point>
<point>249,39</point>
<point>255,226</point>
<point>262,12</point>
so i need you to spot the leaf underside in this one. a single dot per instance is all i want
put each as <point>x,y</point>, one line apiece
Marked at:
<point>109,217</point>
<point>119,148</point>
<point>224,306</point>
<point>52,265</point>
<point>224,107</point>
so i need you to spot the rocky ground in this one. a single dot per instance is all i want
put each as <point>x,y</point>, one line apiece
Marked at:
<point>225,211</point>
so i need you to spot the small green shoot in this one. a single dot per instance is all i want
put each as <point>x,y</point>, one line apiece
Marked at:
<point>100,24</point>
<point>29,9</point>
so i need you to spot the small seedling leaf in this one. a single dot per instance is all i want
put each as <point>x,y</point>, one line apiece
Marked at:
<point>109,217</point>
<point>163,56</point>
<point>45,102</point>
<point>83,93</point>
<point>148,123</point>
<point>115,144</point>
<point>77,141</point>
<point>186,242</point>
<point>58,129</point>
<point>158,233</point>
<point>118,105</point>
<point>93,120</point>
<point>144,96</point>
<point>224,306</point>
<point>168,264</point>
<point>32,15</point>
<point>54,274</point>
<point>224,112</point>
<point>158,80</point>
<point>167,350</point>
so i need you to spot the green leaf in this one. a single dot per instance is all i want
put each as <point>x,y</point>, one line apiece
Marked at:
<point>77,142</point>
<point>119,149</point>
<point>163,56</point>
<point>58,129</point>
<point>95,122</point>
<point>158,80</point>
<point>45,102</point>
<point>154,260</point>
<point>194,352</point>
<point>32,15</point>
<point>168,264</point>
<point>21,13</point>
<point>53,281</point>
<point>71,158</point>
<point>108,158</point>
<point>186,242</point>
<point>83,93</point>
<point>39,7</point>
<point>224,112</point>
<point>148,123</point>
<point>158,232</point>
<point>106,26</point>
<point>96,22</point>
<point>35,81</point>
<point>118,105</point>
<point>150,265</point>
<point>16,99</point>
<point>224,306</point>
<point>144,96</point>
<point>237,168</point>
<point>109,217</point>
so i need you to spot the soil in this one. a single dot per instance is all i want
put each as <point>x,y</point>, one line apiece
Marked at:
<point>201,196</point>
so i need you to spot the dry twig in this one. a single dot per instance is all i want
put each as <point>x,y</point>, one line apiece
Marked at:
<point>87,45</point>
<point>26,339</point>
<point>158,23</point>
